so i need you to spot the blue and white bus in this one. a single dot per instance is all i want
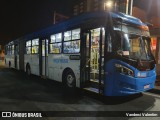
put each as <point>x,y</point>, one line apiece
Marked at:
<point>104,52</point>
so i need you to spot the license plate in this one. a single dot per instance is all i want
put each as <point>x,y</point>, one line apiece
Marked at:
<point>146,86</point>
<point>143,74</point>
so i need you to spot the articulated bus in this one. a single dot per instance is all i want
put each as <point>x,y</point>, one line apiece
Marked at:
<point>104,52</point>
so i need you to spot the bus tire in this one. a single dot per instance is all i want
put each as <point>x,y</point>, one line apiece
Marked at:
<point>9,64</point>
<point>70,79</point>
<point>28,70</point>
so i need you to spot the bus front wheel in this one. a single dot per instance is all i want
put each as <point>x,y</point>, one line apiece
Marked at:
<point>70,79</point>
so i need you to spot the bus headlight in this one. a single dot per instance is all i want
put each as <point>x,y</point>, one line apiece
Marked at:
<point>124,70</point>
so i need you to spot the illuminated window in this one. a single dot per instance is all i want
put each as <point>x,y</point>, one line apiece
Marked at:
<point>55,48</point>
<point>67,36</point>
<point>35,46</point>
<point>72,41</point>
<point>35,42</point>
<point>56,38</point>
<point>28,43</point>
<point>28,47</point>
<point>53,38</point>
<point>55,43</point>
<point>59,37</point>
<point>12,50</point>
<point>75,34</point>
<point>8,50</point>
<point>72,47</point>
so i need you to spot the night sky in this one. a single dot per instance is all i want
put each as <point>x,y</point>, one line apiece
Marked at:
<point>21,17</point>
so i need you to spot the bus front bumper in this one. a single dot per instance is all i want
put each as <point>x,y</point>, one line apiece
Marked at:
<point>127,85</point>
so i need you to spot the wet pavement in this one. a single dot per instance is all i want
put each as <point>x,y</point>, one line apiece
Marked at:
<point>18,92</point>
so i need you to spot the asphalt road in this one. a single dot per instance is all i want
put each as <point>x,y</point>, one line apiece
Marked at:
<point>19,92</point>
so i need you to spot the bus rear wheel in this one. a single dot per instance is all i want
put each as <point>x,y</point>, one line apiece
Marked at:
<point>28,70</point>
<point>70,79</point>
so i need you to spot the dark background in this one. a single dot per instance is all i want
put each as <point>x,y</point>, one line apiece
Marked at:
<point>21,17</point>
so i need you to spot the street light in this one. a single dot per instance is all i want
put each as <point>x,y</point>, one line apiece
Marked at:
<point>108,5</point>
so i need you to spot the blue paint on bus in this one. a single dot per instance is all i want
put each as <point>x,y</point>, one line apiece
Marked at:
<point>118,84</point>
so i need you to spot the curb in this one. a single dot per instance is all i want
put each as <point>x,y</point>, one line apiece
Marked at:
<point>155,91</point>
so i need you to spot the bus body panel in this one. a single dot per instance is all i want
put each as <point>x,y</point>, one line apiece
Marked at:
<point>33,62</point>
<point>54,67</point>
<point>11,62</point>
<point>57,65</point>
<point>18,66</point>
<point>119,84</point>
<point>45,66</point>
<point>73,64</point>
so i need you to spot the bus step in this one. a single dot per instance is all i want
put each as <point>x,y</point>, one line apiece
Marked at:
<point>96,72</point>
<point>91,89</point>
<point>43,77</point>
<point>96,76</point>
<point>96,81</point>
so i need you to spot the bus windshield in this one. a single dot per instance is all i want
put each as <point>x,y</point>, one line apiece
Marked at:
<point>136,47</point>
<point>134,43</point>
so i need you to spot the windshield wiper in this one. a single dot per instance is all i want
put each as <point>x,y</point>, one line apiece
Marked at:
<point>148,51</point>
<point>142,46</point>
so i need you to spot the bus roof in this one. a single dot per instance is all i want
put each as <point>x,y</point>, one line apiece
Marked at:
<point>62,26</point>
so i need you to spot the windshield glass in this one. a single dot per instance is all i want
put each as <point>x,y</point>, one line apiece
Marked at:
<point>143,30</point>
<point>132,41</point>
<point>135,46</point>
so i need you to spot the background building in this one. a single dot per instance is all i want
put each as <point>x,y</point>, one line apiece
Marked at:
<point>154,31</point>
<point>124,6</point>
<point>1,52</point>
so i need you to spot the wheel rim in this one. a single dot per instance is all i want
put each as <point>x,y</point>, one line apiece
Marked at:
<point>28,71</point>
<point>70,80</point>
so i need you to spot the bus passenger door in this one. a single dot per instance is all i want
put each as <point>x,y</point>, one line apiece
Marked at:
<point>85,58</point>
<point>92,61</point>
<point>44,59</point>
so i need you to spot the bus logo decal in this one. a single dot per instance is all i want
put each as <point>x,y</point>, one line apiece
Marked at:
<point>60,60</point>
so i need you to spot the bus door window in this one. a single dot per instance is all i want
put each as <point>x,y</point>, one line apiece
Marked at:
<point>109,43</point>
<point>87,48</point>
<point>102,53</point>
<point>95,37</point>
